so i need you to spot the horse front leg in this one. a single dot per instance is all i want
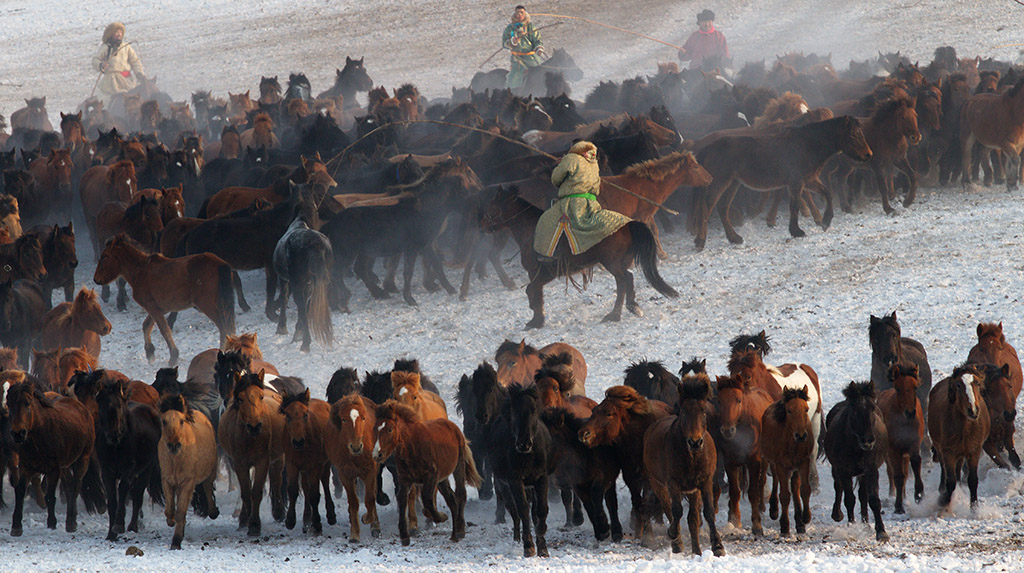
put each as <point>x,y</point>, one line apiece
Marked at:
<point>904,165</point>
<point>431,258</point>
<point>270,309</point>
<point>282,311</point>
<point>165,331</point>
<point>535,295</point>
<point>882,181</point>
<point>239,292</point>
<point>147,335</point>
<point>824,221</point>
<point>795,191</point>
<point>724,204</point>
<point>122,294</point>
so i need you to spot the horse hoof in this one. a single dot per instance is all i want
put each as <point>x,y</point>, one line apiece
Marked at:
<point>411,301</point>
<point>882,537</point>
<point>16,532</point>
<point>111,536</point>
<point>837,515</point>
<point>719,551</point>
<point>535,323</point>
<point>282,330</point>
<point>486,494</point>
<point>736,240</point>
<point>71,527</point>
<point>383,499</point>
<point>612,317</point>
<point>529,552</point>
<point>635,310</point>
<point>332,520</point>
<point>406,542</point>
<point>353,539</point>
<point>757,531</point>
<point>375,533</point>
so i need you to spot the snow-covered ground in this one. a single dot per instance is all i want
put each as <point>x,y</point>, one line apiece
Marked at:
<point>951,260</point>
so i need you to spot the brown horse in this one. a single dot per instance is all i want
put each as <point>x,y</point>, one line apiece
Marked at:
<point>551,396</point>
<point>679,459</point>
<point>102,184</point>
<point>408,392</point>
<point>52,436</point>
<point>620,421</point>
<point>890,131</point>
<point>633,242</point>
<point>958,423</point>
<point>188,458</point>
<point>161,285</point>
<point>349,445</point>
<point>53,181</point>
<point>170,202</point>
<point>736,429</point>
<point>904,425</point>
<point>140,221</point>
<point>59,257</point>
<point>56,367</point>
<point>425,454</point>
<point>9,358</point>
<point>786,445</point>
<point>76,324</point>
<point>231,199</point>
<point>305,457</point>
<point>792,158</point>
<point>1002,410</point>
<point>994,121</point>
<point>261,134</point>
<point>251,431</point>
<point>992,348</point>
<point>518,363</point>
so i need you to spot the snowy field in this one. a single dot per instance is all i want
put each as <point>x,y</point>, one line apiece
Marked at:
<point>951,260</point>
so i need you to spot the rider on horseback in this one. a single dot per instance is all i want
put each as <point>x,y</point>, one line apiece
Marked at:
<point>524,43</point>
<point>116,61</point>
<point>706,46</point>
<point>576,214</point>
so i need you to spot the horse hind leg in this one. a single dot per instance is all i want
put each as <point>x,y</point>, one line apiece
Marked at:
<point>165,331</point>
<point>724,204</point>
<point>122,294</point>
<point>795,192</point>
<point>239,292</point>
<point>535,295</point>
<point>282,314</point>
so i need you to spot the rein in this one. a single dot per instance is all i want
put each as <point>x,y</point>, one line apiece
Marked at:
<point>342,153</point>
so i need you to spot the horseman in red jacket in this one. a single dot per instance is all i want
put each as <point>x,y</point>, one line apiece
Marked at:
<point>706,47</point>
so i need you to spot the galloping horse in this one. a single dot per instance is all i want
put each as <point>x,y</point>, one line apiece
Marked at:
<point>616,253</point>
<point>102,184</point>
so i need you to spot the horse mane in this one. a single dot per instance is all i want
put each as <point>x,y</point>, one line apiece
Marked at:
<point>407,90</point>
<point>877,324</point>
<point>399,378</point>
<point>695,366</point>
<point>177,402</point>
<point>791,393</point>
<point>243,343</point>
<point>628,398</point>
<point>33,389</point>
<point>515,390</point>
<point>783,108</point>
<point>343,379</point>
<point>509,346</point>
<point>558,367</point>
<point>693,390</point>
<point>406,365</point>
<point>966,368</point>
<point>991,329</point>
<point>758,342</point>
<point>888,108</point>
<point>746,358</point>
<point>1016,88</point>
<point>244,381</point>
<point>658,169</point>
<point>897,370</point>
<point>856,390</point>
<point>395,410</point>
<point>290,399</point>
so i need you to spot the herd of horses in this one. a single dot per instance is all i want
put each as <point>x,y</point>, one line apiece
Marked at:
<point>528,426</point>
<point>177,197</point>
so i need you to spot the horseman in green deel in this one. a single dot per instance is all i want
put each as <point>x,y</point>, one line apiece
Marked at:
<point>524,43</point>
<point>576,215</point>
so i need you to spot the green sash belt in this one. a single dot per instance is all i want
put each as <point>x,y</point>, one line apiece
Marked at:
<point>590,196</point>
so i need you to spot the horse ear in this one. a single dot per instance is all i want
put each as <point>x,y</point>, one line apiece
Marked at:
<point>980,329</point>
<point>894,370</point>
<point>261,374</point>
<point>348,61</point>
<point>306,396</point>
<point>894,315</point>
<point>122,388</point>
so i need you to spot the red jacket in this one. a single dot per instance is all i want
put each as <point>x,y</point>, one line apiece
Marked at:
<point>702,45</point>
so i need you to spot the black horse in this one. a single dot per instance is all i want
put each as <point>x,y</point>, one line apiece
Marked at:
<point>233,363</point>
<point>199,395</point>
<point>344,381</point>
<point>855,444</point>
<point>126,446</point>
<point>349,80</point>
<point>654,381</point>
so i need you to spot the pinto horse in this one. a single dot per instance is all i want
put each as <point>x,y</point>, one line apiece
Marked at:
<point>633,242</point>
<point>958,422</point>
<point>425,453</point>
<point>736,429</point>
<point>904,425</point>
<point>161,285</point>
<point>54,437</point>
<point>787,447</point>
<point>679,459</point>
<point>791,158</point>
<point>518,363</point>
<point>349,444</point>
<point>187,452</point>
<point>994,121</point>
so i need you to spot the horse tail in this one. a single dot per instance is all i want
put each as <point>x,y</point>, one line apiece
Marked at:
<point>92,490</point>
<point>472,475</point>
<point>155,487</point>
<point>318,313</point>
<point>645,253</point>
<point>226,297</point>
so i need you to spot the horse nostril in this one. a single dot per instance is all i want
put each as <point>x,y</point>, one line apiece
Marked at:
<point>1010,415</point>
<point>695,444</point>
<point>911,414</point>
<point>73,264</point>
<point>729,432</point>
<point>254,429</point>
<point>20,435</point>
<point>800,437</point>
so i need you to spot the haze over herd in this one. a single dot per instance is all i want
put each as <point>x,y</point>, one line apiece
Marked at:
<point>289,193</point>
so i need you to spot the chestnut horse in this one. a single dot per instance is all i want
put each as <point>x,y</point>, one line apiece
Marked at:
<point>161,285</point>
<point>53,437</point>
<point>791,158</point>
<point>56,367</point>
<point>736,429</point>
<point>634,242</point>
<point>408,392</point>
<point>102,184</point>
<point>1002,410</point>
<point>305,458</point>
<point>958,422</point>
<point>786,445</point>
<point>679,459</point>
<point>53,182</point>
<point>518,363</point>
<point>349,445</point>
<point>251,431</point>
<point>904,425</point>
<point>140,221</point>
<point>425,453</point>
<point>231,199</point>
<point>187,452</point>
<point>76,324</point>
<point>620,421</point>
<point>994,121</point>
<point>992,348</point>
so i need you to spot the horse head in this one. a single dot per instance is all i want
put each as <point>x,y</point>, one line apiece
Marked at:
<point>247,400</point>
<point>295,409</point>
<point>524,416</point>
<point>653,380</point>
<point>884,336</point>
<point>176,419</point>
<point>790,412</point>
<point>112,400</point>
<point>25,400</point>
<point>905,379</point>
<point>353,76</point>
<point>355,423</point>
<point>861,414</point>
<point>488,392</point>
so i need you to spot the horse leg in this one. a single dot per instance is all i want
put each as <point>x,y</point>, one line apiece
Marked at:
<point>450,498</point>
<point>362,269</point>
<point>428,495</point>
<point>256,496</point>
<point>147,332</point>
<point>105,293</point>
<point>565,492</point>
<point>431,258</point>
<point>967,140</point>
<point>494,255</point>
<point>325,480</point>
<point>825,221</point>
<point>271,308</point>
<point>122,504</point>
<point>870,478</point>
<point>301,296</point>
<point>138,491</point>
<point>535,294</point>
<point>51,499</point>
<point>795,190</point>
<point>837,506</point>
<point>245,487</point>
<point>972,480</point>
<point>540,514</point>
<point>1010,164</point>
<point>402,494</point>
<point>282,311</point>
<point>407,272</point>
<point>311,491</point>
<point>723,213</point>
<point>620,295</point>
<point>733,471</point>
<point>343,293</point>
<point>611,502</point>
<point>181,512</point>
<point>293,496</point>
<point>390,273</point>
<point>165,331</point>
<point>755,491</point>
<point>904,165</point>
<point>523,509</point>
<point>239,292</point>
<point>122,295</point>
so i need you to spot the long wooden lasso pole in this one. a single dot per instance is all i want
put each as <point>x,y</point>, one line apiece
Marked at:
<point>610,27</point>
<point>341,153</point>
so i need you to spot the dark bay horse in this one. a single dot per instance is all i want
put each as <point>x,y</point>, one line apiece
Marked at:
<point>633,242</point>
<point>994,121</point>
<point>889,347</point>
<point>349,81</point>
<point>161,285</point>
<point>21,315</point>
<point>59,257</point>
<point>792,158</point>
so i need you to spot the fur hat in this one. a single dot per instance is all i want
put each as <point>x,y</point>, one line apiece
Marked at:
<point>110,29</point>
<point>706,16</point>
<point>584,149</point>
